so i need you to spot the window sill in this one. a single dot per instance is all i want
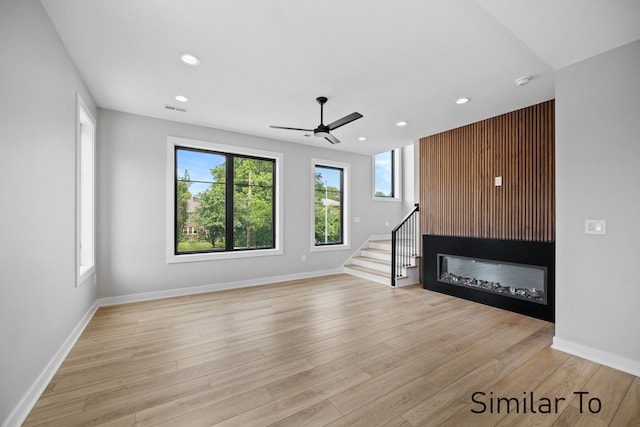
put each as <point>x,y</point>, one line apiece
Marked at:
<point>84,274</point>
<point>329,248</point>
<point>175,259</point>
<point>386,199</point>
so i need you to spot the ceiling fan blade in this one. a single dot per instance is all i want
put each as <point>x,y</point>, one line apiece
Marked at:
<point>343,121</point>
<point>332,139</point>
<point>282,127</point>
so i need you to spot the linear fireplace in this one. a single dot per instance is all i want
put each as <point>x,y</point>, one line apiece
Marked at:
<point>510,274</point>
<point>522,281</point>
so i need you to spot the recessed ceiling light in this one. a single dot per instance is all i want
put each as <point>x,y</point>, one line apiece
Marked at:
<point>182,98</point>
<point>362,138</point>
<point>401,123</point>
<point>523,80</point>
<point>461,101</point>
<point>190,59</point>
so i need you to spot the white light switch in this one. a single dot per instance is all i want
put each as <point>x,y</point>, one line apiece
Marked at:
<point>595,226</point>
<point>498,181</point>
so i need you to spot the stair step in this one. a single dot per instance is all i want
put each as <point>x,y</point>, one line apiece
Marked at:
<point>380,244</point>
<point>368,270</point>
<point>381,254</point>
<point>384,246</point>
<point>374,262</point>
<point>382,262</point>
<point>382,265</point>
<point>380,251</point>
<point>371,271</point>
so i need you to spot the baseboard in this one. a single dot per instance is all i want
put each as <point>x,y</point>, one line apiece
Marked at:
<point>28,401</point>
<point>599,356</point>
<point>149,296</point>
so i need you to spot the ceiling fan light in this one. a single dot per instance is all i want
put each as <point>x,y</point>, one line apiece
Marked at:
<point>190,59</point>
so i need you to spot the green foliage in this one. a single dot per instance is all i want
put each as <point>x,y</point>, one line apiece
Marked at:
<point>182,196</point>
<point>253,203</point>
<point>194,246</point>
<point>210,213</point>
<point>253,208</point>
<point>328,216</point>
<point>333,224</point>
<point>253,215</point>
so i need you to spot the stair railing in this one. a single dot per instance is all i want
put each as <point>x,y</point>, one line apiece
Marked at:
<point>404,244</point>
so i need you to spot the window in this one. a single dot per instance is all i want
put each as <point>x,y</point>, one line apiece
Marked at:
<point>330,205</point>
<point>85,193</point>
<point>227,203</point>
<point>224,201</point>
<point>386,179</point>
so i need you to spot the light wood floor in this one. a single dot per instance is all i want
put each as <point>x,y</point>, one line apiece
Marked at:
<point>336,350</point>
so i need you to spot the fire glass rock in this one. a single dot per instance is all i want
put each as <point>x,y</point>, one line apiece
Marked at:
<point>472,282</point>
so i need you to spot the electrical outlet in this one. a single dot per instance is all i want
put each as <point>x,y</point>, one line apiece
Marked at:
<point>303,258</point>
<point>498,181</point>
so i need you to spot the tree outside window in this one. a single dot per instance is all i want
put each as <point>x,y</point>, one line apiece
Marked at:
<point>224,202</point>
<point>329,202</point>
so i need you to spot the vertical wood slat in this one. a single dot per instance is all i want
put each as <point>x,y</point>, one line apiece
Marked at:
<point>457,170</point>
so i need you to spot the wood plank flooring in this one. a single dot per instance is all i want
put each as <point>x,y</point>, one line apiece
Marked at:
<point>334,351</point>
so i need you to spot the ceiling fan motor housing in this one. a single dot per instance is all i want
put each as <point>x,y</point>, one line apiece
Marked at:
<point>321,131</point>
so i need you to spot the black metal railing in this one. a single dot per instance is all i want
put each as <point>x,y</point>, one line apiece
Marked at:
<point>404,244</point>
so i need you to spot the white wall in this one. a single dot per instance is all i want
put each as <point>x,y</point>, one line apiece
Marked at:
<point>409,181</point>
<point>39,302</point>
<point>598,177</point>
<point>131,254</point>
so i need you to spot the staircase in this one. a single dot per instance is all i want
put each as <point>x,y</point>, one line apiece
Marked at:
<point>373,262</point>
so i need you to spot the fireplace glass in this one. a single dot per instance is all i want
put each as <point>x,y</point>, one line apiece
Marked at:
<point>527,282</point>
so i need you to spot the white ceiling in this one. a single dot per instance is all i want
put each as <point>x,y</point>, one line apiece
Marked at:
<point>265,61</point>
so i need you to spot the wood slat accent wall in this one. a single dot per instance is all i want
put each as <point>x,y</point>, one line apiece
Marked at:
<point>457,170</point>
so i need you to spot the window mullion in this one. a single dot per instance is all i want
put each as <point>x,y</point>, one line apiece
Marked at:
<point>229,203</point>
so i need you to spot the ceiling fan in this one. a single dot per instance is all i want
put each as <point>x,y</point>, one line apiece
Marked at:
<point>323,130</point>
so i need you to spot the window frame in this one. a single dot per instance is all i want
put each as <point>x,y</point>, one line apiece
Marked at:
<point>345,206</point>
<point>174,143</point>
<point>396,178</point>
<point>85,192</point>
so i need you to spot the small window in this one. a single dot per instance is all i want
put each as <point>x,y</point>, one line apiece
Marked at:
<point>85,193</point>
<point>386,182</point>
<point>330,205</point>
